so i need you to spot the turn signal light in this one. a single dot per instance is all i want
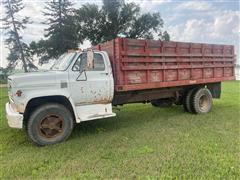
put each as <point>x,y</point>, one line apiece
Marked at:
<point>19,93</point>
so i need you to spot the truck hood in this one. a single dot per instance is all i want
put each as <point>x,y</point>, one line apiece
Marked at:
<point>33,79</point>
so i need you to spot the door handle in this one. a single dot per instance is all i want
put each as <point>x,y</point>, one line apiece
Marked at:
<point>104,73</point>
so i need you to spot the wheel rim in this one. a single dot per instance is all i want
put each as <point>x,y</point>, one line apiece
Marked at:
<point>204,102</point>
<point>51,126</point>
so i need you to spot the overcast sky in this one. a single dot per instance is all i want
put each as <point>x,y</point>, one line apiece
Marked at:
<point>191,21</point>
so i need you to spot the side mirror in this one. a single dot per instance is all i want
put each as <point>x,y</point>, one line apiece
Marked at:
<point>90,56</point>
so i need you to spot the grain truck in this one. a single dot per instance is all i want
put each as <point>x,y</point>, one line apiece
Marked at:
<point>85,85</point>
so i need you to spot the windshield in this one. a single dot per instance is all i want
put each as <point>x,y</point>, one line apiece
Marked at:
<point>63,62</point>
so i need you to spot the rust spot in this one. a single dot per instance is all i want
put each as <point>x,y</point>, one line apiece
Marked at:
<point>102,101</point>
<point>17,107</point>
<point>81,89</point>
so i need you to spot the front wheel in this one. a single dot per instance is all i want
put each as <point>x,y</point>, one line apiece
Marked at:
<point>49,124</point>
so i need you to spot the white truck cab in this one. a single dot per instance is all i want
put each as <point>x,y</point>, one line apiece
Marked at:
<point>79,87</point>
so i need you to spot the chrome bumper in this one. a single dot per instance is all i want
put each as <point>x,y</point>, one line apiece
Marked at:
<point>15,120</point>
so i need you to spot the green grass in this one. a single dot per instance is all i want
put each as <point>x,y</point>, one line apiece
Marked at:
<point>141,142</point>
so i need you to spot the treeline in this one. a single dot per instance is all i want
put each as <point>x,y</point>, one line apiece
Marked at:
<point>68,27</point>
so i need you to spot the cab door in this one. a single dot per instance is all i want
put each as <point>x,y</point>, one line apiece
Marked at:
<point>90,82</point>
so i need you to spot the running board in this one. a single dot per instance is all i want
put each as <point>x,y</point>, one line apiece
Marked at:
<point>94,111</point>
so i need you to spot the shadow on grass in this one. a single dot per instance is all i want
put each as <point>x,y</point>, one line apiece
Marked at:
<point>132,118</point>
<point>128,117</point>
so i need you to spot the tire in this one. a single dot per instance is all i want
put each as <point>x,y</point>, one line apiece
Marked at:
<point>50,124</point>
<point>201,101</point>
<point>162,103</point>
<point>187,106</point>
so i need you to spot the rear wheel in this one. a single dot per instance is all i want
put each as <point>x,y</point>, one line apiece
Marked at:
<point>50,124</point>
<point>202,101</point>
<point>187,106</point>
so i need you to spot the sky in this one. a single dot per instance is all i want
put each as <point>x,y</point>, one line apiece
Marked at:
<point>203,21</point>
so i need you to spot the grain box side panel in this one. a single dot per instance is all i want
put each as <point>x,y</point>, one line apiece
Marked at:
<point>149,64</point>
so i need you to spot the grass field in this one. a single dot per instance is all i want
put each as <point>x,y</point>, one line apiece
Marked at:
<point>142,142</point>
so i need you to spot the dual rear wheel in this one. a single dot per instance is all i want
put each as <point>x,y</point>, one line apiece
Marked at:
<point>198,101</point>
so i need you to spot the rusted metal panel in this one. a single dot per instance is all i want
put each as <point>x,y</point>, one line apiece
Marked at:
<point>148,64</point>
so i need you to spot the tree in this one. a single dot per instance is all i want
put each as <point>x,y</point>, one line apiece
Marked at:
<point>117,18</point>
<point>145,26</point>
<point>90,23</point>
<point>13,24</point>
<point>61,34</point>
<point>40,49</point>
<point>69,27</point>
<point>166,36</point>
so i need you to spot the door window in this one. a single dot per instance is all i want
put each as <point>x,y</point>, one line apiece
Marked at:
<point>81,63</point>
